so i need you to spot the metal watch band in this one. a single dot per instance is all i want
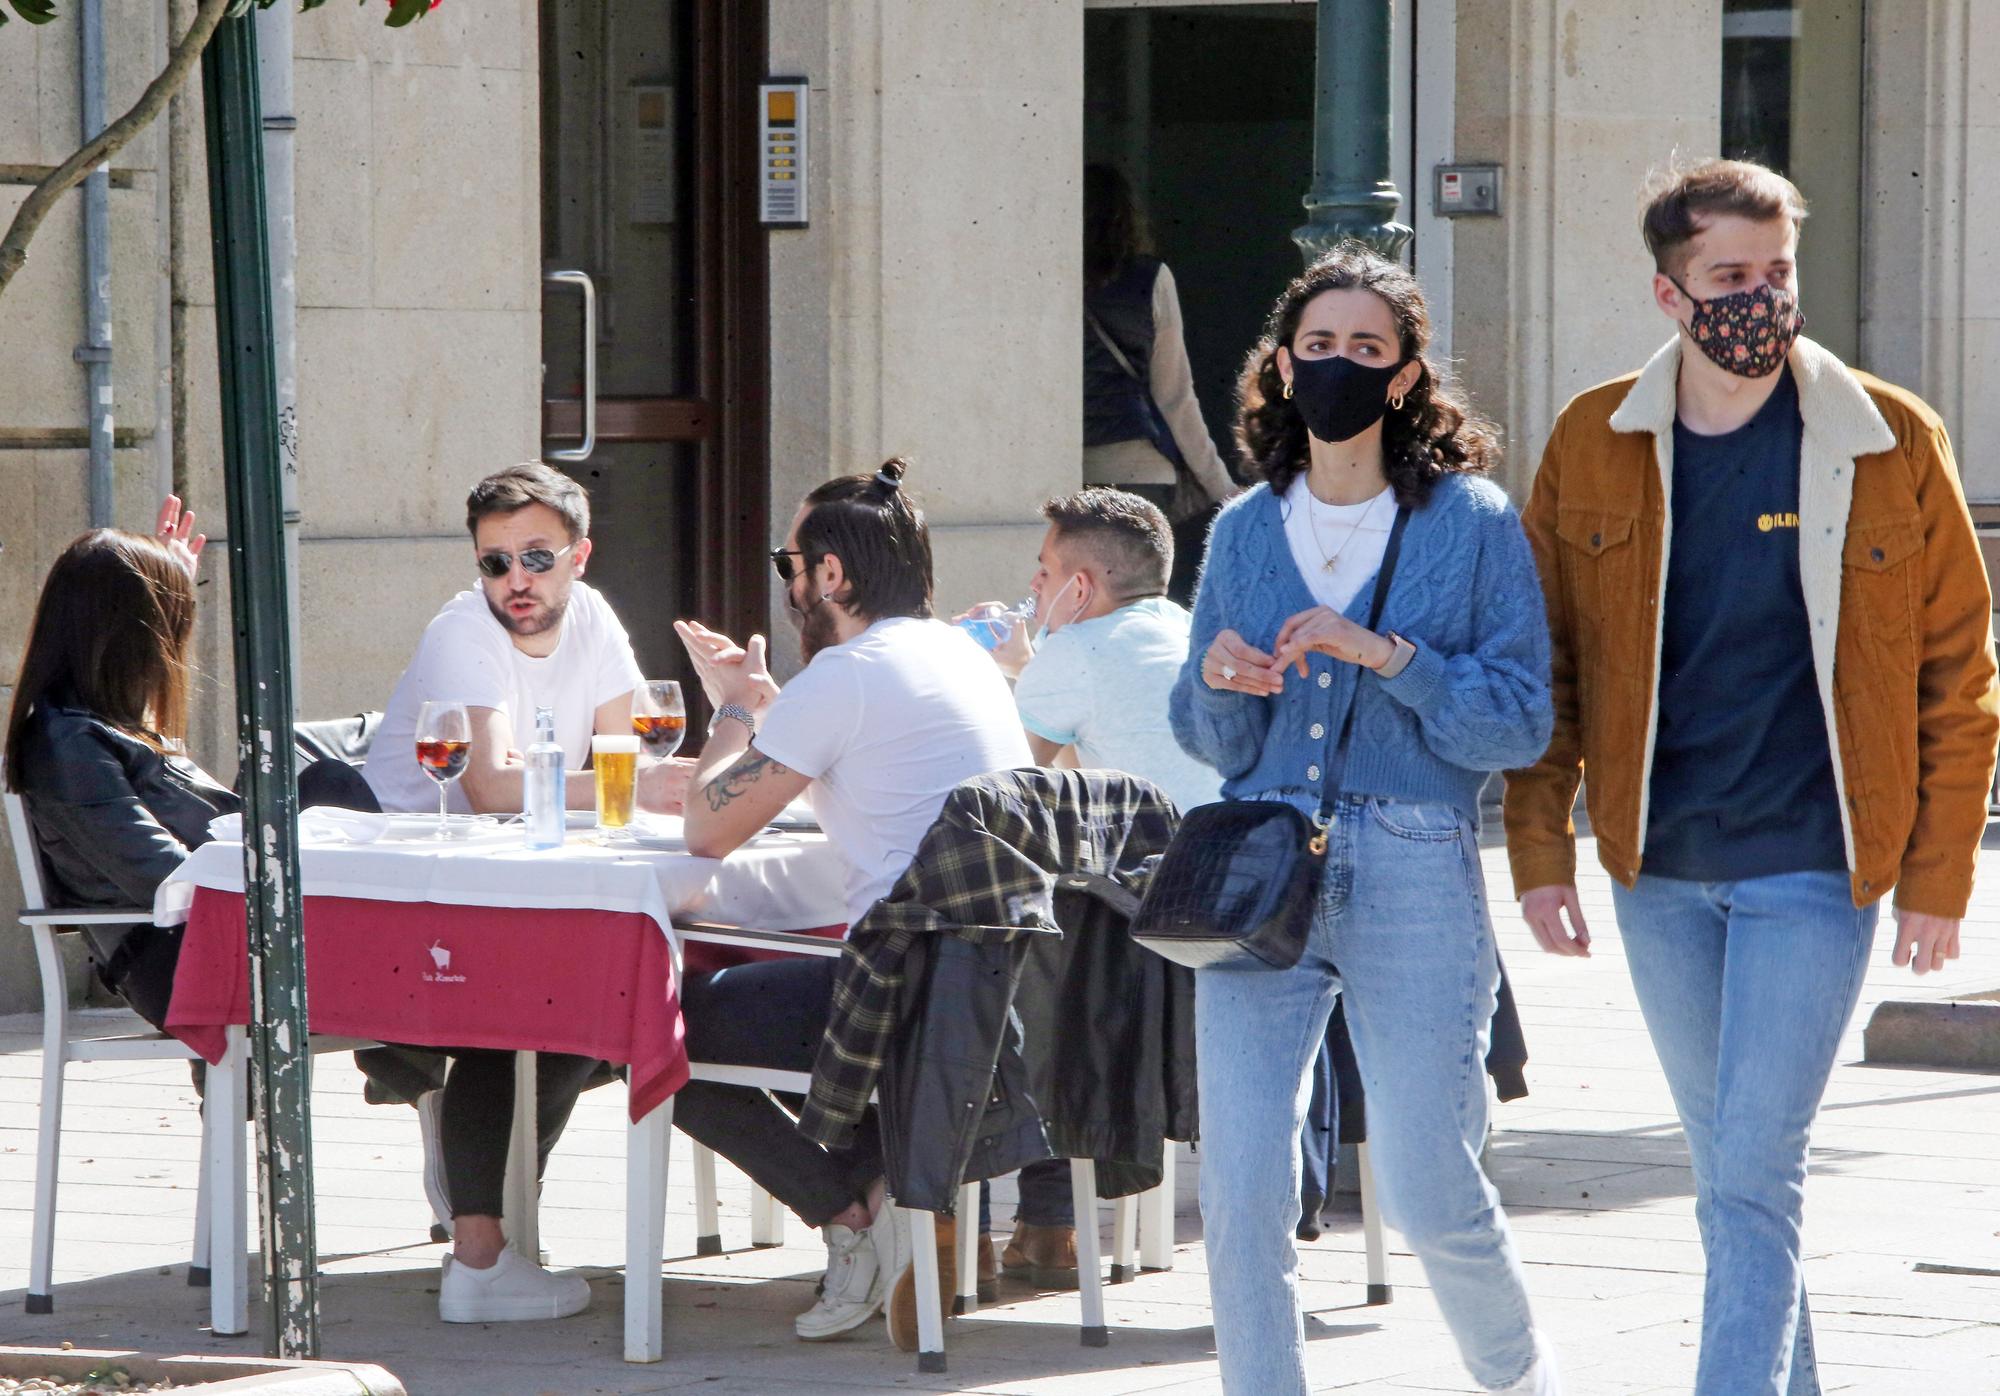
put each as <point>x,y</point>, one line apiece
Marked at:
<point>1400,660</point>
<point>737,711</point>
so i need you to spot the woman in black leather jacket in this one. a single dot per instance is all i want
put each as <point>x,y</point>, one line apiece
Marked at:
<point>93,742</point>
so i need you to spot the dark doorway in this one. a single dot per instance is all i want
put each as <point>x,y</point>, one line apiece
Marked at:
<point>1208,111</point>
<point>648,150</point>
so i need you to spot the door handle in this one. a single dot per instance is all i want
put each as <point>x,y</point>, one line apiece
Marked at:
<point>581,281</point>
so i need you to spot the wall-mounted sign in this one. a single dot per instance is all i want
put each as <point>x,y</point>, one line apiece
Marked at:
<point>650,160</point>
<point>781,172</point>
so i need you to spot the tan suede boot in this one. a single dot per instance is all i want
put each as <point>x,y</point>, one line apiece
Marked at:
<point>989,1270</point>
<point>903,1299</point>
<point>1044,1254</point>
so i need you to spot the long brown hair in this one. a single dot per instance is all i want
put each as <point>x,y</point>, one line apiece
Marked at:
<point>1431,435</point>
<point>110,636</point>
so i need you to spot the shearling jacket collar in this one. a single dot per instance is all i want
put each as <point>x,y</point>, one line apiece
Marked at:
<point>1836,409</point>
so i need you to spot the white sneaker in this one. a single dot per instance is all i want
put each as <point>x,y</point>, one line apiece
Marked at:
<point>430,1106</point>
<point>860,1267</point>
<point>511,1289</point>
<point>1541,1379</point>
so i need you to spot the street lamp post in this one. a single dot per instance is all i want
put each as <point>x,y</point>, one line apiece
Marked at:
<point>1352,195</point>
<point>280,1053</point>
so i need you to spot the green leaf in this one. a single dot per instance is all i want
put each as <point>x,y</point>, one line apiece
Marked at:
<point>401,12</point>
<point>33,11</point>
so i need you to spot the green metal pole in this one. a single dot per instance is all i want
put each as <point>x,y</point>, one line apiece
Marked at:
<point>251,469</point>
<point>1352,194</point>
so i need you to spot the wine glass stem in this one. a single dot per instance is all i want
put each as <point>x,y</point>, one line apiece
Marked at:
<point>444,828</point>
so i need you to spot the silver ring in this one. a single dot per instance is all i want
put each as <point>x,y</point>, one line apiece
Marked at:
<point>1229,673</point>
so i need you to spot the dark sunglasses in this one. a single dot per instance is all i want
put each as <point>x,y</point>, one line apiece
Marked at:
<point>781,558</point>
<point>538,560</point>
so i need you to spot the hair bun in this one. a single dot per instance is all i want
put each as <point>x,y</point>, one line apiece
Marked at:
<point>890,476</point>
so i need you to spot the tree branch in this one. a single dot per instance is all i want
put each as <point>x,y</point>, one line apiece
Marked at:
<point>108,142</point>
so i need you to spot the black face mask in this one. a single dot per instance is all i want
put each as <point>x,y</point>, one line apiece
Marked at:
<point>1339,398</point>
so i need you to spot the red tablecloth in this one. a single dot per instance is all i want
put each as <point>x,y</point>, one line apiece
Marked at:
<point>593,983</point>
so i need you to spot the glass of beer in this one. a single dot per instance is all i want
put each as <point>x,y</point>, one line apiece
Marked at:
<point>444,745</point>
<point>659,716</point>
<point>616,761</point>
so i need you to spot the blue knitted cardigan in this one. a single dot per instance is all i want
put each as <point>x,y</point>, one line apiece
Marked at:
<point>1475,698</point>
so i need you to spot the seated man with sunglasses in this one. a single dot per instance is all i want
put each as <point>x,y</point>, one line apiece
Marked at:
<point>530,635</point>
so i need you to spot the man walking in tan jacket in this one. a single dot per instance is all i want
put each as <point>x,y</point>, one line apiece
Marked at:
<point>1772,653</point>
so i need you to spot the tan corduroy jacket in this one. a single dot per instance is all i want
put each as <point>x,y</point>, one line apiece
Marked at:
<point>1895,594</point>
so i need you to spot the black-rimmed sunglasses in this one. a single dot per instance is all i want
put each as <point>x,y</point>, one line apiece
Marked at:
<point>537,560</point>
<point>781,559</point>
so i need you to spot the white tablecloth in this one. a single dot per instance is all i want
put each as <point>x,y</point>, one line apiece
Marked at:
<point>779,882</point>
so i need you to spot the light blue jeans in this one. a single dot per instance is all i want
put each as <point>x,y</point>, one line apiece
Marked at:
<point>1746,988</point>
<point>1403,914</point>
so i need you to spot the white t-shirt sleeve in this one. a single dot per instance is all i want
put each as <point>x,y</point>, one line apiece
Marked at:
<point>617,667</point>
<point>457,662</point>
<point>814,718</point>
<point>1054,690</point>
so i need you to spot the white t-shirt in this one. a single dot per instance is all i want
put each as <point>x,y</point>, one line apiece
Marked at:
<point>885,725</point>
<point>1101,686</point>
<point>1354,535</point>
<point>469,657</point>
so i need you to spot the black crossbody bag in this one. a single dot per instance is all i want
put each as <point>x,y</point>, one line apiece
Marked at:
<point>1237,886</point>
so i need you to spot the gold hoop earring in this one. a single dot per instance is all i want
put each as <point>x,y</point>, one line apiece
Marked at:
<point>1397,402</point>
<point>1288,392</point>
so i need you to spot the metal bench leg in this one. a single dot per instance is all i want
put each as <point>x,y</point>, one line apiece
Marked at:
<point>930,1314</point>
<point>1371,1231</point>
<point>1156,1217</point>
<point>966,1301</point>
<point>767,1219</point>
<point>1089,1262</point>
<point>229,1222</point>
<point>646,1145</point>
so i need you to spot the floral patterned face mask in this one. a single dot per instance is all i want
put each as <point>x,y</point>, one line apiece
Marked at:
<point>1747,333</point>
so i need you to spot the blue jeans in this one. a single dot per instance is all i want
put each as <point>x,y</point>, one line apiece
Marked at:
<point>1747,987</point>
<point>1402,912</point>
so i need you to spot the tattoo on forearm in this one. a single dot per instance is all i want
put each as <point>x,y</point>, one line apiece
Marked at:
<point>735,782</point>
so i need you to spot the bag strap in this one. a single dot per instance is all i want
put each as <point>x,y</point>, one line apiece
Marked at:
<point>1337,760</point>
<point>1104,338</point>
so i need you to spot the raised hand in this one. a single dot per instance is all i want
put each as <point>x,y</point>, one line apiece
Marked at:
<point>1234,665</point>
<point>175,528</point>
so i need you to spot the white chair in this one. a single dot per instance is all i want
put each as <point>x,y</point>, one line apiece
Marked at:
<point>60,1047</point>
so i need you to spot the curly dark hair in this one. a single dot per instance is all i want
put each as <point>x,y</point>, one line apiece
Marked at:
<point>1431,435</point>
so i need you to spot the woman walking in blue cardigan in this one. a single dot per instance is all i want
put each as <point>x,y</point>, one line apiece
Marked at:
<point>1345,420</point>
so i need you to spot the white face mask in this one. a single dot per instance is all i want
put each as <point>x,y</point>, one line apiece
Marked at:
<point>1048,609</point>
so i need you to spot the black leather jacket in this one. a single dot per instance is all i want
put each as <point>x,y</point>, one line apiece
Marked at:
<point>111,816</point>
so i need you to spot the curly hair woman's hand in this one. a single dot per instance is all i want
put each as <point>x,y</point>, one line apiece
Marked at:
<point>1234,665</point>
<point>1323,630</point>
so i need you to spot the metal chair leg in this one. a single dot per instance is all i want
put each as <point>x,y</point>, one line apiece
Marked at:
<point>1156,1217</point>
<point>767,1219</point>
<point>1089,1261</point>
<point>1371,1231</point>
<point>707,1220</point>
<point>966,1301</point>
<point>1124,1239</point>
<point>930,1314</point>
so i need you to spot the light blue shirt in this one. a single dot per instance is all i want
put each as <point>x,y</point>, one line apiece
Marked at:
<point>1102,686</point>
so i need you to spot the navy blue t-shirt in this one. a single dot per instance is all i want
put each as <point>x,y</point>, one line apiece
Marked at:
<point>1742,782</point>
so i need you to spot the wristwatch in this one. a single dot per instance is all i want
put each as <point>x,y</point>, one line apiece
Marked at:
<point>1399,659</point>
<point>737,711</point>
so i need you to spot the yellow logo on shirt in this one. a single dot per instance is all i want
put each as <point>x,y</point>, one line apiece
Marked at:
<point>1767,522</point>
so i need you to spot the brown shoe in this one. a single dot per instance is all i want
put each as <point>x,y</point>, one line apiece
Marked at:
<point>989,1270</point>
<point>1044,1254</point>
<point>903,1299</point>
